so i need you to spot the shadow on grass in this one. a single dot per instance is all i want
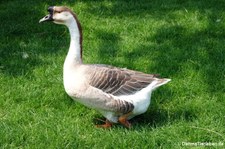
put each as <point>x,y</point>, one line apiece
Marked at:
<point>179,49</point>
<point>23,39</point>
<point>109,45</point>
<point>203,51</point>
<point>156,8</point>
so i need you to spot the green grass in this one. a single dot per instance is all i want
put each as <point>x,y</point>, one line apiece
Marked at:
<point>180,39</point>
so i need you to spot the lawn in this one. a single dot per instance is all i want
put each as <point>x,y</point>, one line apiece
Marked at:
<point>180,39</point>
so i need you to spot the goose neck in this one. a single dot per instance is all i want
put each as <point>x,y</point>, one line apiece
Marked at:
<point>74,55</point>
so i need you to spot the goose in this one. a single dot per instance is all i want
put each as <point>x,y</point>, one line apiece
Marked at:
<point>119,94</point>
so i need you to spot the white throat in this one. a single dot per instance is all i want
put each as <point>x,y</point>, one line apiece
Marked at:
<point>74,54</point>
<point>73,58</point>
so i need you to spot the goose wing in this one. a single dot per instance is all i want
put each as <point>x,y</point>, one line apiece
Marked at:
<point>118,81</point>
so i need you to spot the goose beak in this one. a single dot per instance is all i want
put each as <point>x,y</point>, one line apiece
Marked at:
<point>46,18</point>
<point>49,16</point>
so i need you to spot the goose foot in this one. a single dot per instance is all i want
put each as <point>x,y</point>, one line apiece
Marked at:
<point>107,124</point>
<point>123,120</point>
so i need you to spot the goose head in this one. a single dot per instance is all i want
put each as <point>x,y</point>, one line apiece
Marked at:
<point>59,15</point>
<point>63,15</point>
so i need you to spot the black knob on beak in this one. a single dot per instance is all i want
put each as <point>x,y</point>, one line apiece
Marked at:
<point>50,9</point>
<point>49,17</point>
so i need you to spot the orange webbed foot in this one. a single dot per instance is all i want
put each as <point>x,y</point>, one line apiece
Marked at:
<point>123,120</point>
<point>107,124</point>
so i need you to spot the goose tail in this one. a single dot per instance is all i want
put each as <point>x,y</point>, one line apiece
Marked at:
<point>161,82</point>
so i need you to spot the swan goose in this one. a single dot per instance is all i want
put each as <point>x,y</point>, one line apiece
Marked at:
<point>118,94</point>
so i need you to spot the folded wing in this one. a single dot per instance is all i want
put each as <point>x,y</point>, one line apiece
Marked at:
<point>118,81</point>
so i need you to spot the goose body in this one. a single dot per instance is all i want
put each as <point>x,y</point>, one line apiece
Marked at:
<point>118,94</point>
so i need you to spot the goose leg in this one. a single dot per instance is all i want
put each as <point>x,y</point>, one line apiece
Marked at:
<point>107,124</point>
<point>123,120</point>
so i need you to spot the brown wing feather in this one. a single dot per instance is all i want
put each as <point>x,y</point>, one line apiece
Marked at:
<point>118,81</point>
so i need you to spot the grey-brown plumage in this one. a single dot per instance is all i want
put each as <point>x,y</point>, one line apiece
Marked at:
<point>118,81</point>
<point>118,105</point>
